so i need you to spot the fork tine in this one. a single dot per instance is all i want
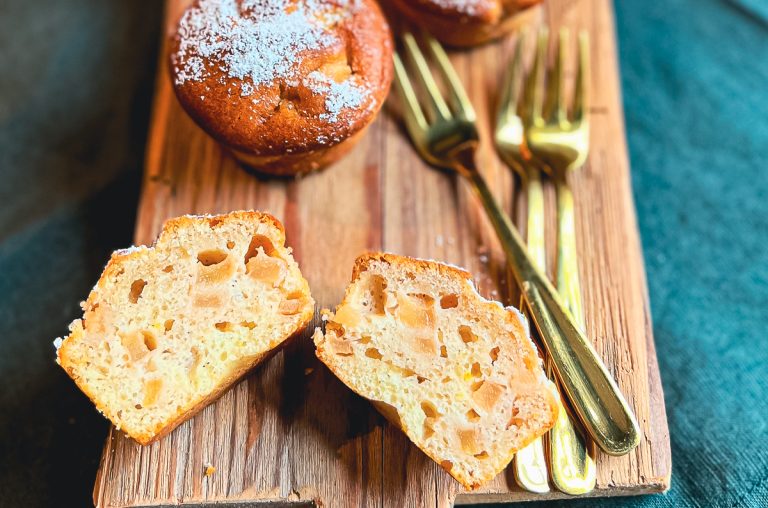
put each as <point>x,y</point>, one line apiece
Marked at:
<point>511,85</point>
<point>535,84</point>
<point>414,118</point>
<point>436,105</point>
<point>459,100</point>
<point>581,88</point>
<point>555,108</point>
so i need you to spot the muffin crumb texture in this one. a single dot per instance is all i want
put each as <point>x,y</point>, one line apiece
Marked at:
<point>169,327</point>
<point>456,372</point>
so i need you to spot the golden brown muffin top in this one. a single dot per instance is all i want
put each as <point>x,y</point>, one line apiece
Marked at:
<point>486,11</point>
<point>282,76</point>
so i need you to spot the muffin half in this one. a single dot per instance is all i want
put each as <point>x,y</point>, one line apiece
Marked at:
<point>456,372</point>
<point>168,328</point>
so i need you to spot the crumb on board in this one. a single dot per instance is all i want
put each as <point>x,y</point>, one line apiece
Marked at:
<point>209,469</point>
<point>308,371</point>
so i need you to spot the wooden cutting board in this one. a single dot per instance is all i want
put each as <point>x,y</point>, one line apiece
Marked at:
<point>291,432</point>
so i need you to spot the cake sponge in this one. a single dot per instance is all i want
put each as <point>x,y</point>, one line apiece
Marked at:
<point>168,328</point>
<point>456,372</point>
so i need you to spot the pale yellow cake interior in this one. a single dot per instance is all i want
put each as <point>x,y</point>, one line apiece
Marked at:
<point>168,326</point>
<point>457,372</point>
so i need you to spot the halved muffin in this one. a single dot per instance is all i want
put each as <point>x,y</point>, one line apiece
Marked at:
<point>168,328</point>
<point>458,373</point>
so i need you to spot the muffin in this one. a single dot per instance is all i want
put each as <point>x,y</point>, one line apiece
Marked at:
<point>168,328</point>
<point>288,86</point>
<point>466,22</point>
<point>457,373</point>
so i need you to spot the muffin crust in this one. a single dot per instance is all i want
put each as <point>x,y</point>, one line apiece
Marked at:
<point>269,78</point>
<point>466,22</point>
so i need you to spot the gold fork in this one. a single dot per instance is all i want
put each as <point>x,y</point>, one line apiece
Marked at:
<point>561,141</point>
<point>449,140</point>
<point>571,461</point>
<point>530,465</point>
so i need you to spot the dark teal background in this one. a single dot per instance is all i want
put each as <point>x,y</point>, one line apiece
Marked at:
<point>75,91</point>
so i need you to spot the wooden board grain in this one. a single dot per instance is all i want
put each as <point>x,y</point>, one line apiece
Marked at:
<point>291,432</point>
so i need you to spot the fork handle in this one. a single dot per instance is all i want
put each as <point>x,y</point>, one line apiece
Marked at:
<point>569,448</point>
<point>530,464</point>
<point>597,400</point>
<point>567,262</point>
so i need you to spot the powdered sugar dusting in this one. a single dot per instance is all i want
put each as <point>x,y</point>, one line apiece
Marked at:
<point>471,7</point>
<point>259,41</point>
<point>339,96</point>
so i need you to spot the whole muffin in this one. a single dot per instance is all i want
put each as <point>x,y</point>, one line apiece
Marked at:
<point>466,22</point>
<point>287,85</point>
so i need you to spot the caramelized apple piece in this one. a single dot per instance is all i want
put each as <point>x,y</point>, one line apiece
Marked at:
<point>341,347</point>
<point>347,316</point>
<point>472,415</point>
<point>211,257</point>
<point>215,273</point>
<point>134,343</point>
<point>430,410</point>
<point>469,440</point>
<point>151,391</point>
<point>378,294</point>
<point>335,328</point>
<point>449,301</point>
<point>424,345</point>
<point>266,269</point>
<point>467,335</point>
<point>403,371</point>
<point>259,243</point>
<point>487,395</point>
<point>137,287</point>
<point>429,431</point>
<point>416,310</point>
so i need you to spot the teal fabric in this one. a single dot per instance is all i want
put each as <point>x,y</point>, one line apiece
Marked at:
<point>75,94</point>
